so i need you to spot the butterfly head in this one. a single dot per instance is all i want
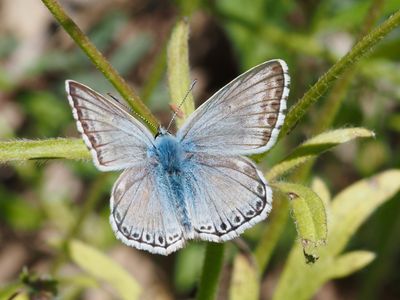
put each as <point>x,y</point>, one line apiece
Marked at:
<point>161,131</point>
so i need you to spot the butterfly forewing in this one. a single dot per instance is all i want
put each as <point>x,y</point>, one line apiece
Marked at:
<point>229,196</point>
<point>116,140</point>
<point>244,117</point>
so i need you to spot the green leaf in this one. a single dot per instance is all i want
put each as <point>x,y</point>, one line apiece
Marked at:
<point>103,268</point>
<point>315,146</point>
<point>245,284</point>
<point>356,203</point>
<point>349,210</point>
<point>7,291</point>
<point>350,262</point>
<point>319,187</point>
<point>178,69</point>
<point>309,215</point>
<point>43,149</point>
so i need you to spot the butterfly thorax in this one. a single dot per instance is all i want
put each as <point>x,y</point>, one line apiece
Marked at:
<point>168,153</point>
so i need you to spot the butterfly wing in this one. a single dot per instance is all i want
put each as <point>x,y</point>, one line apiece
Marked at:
<point>228,195</point>
<point>142,215</point>
<point>115,138</point>
<point>244,117</point>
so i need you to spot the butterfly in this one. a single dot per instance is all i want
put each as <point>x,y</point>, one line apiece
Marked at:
<point>196,184</point>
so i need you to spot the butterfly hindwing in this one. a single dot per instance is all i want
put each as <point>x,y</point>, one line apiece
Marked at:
<point>141,214</point>
<point>244,117</point>
<point>229,195</point>
<point>115,138</point>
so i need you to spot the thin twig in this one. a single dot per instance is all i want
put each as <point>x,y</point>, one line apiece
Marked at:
<point>101,62</point>
<point>361,49</point>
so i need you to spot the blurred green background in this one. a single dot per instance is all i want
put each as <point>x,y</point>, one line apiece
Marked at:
<point>40,201</point>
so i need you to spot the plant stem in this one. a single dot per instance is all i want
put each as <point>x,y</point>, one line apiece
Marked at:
<point>278,219</point>
<point>356,53</point>
<point>43,149</point>
<point>100,62</point>
<point>339,90</point>
<point>212,267</point>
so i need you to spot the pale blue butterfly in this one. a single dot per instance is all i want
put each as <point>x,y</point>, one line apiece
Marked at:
<point>197,184</point>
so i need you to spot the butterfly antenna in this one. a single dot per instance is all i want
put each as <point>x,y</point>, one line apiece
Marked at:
<point>135,113</point>
<point>180,104</point>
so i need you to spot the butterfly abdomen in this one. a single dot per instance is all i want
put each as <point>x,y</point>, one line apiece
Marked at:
<point>169,155</point>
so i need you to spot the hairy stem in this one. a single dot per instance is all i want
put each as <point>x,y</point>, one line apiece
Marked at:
<point>339,90</point>
<point>345,63</point>
<point>43,149</point>
<point>278,220</point>
<point>101,62</point>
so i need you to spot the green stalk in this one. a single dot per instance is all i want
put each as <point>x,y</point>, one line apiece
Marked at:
<point>212,267</point>
<point>43,149</point>
<point>339,90</point>
<point>178,71</point>
<point>101,63</point>
<point>341,87</point>
<point>278,219</point>
<point>345,63</point>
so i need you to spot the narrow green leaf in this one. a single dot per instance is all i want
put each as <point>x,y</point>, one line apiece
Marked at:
<point>103,268</point>
<point>319,187</point>
<point>178,69</point>
<point>349,210</point>
<point>245,283</point>
<point>315,146</point>
<point>309,215</point>
<point>43,149</point>
<point>356,203</point>
<point>350,262</point>
<point>23,295</point>
<point>6,291</point>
